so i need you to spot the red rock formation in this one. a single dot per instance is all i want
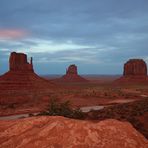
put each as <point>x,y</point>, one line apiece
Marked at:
<point>135,67</point>
<point>17,85</point>
<point>18,62</point>
<point>72,70</point>
<point>72,75</point>
<point>60,132</point>
<point>135,71</point>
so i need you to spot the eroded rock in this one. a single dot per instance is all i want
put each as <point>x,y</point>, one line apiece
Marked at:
<point>135,71</point>
<point>72,75</point>
<point>18,62</point>
<point>68,133</point>
<point>72,70</point>
<point>135,67</point>
<point>17,85</point>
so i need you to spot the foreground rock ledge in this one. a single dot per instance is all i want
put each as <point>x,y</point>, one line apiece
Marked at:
<point>60,132</point>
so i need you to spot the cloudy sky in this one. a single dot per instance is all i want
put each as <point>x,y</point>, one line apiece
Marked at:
<point>96,35</point>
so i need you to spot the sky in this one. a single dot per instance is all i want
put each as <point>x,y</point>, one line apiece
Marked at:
<point>99,36</point>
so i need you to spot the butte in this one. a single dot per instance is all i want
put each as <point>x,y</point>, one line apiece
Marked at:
<point>21,80</point>
<point>72,75</point>
<point>135,72</point>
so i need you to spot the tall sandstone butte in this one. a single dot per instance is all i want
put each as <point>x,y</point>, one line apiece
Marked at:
<point>135,71</point>
<point>72,70</point>
<point>135,67</point>
<point>72,75</point>
<point>18,62</point>
<point>20,83</point>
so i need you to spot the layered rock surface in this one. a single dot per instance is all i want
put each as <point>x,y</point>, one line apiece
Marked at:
<point>20,78</point>
<point>60,132</point>
<point>18,62</point>
<point>135,67</point>
<point>135,71</point>
<point>72,75</point>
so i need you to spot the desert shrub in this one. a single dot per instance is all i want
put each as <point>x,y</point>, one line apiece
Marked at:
<point>31,115</point>
<point>62,109</point>
<point>78,114</point>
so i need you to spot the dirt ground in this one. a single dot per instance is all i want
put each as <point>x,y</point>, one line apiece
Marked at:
<point>93,93</point>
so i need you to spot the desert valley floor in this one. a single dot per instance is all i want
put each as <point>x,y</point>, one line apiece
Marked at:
<point>117,101</point>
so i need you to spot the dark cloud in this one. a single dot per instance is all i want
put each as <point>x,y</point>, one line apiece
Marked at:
<point>103,33</point>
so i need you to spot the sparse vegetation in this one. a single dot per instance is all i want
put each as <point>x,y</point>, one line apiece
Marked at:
<point>62,109</point>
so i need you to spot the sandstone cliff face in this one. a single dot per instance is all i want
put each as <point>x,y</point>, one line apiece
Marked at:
<point>135,71</point>
<point>135,67</point>
<point>72,75</point>
<point>60,132</point>
<point>18,62</point>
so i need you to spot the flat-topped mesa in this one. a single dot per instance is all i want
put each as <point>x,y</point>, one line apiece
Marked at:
<point>18,62</point>
<point>72,70</point>
<point>135,67</point>
<point>135,72</point>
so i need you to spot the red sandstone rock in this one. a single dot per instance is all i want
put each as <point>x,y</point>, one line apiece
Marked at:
<point>21,78</point>
<point>60,132</point>
<point>135,67</point>
<point>72,70</point>
<point>18,62</point>
<point>72,75</point>
<point>135,71</point>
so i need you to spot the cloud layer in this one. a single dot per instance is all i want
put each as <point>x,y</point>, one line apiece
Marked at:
<point>98,36</point>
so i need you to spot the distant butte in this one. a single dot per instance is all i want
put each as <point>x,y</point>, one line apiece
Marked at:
<point>135,71</point>
<point>135,67</point>
<point>20,78</point>
<point>72,75</point>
